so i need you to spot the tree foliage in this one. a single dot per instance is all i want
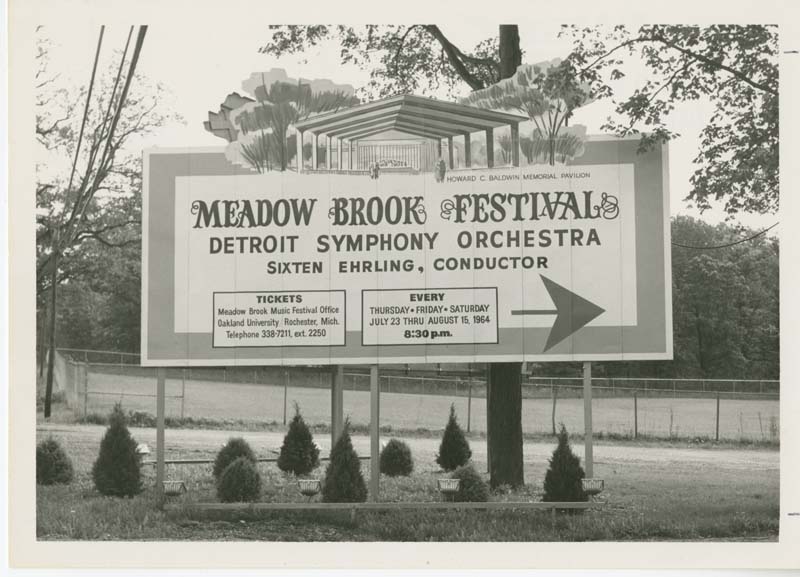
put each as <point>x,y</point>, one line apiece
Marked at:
<point>547,93</point>
<point>454,449</point>
<point>563,480</point>
<point>726,312</point>
<point>53,465</point>
<point>734,67</point>
<point>104,204</point>
<point>299,454</point>
<point>725,308</point>
<point>407,59</point>
<point>472,487</point>
<point>235,448</point>
<point>117,470</point>
<point>261,127</point>
<point>396,459</point>
<point>344,482</point>
<point>239,482</point>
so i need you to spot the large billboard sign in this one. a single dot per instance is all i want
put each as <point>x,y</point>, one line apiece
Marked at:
<point>519,263</point>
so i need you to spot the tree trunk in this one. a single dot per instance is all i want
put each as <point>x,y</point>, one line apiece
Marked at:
<point>504,424</point>
<point>510,52</point>
<point>504,395</point>
<point>51,349</point>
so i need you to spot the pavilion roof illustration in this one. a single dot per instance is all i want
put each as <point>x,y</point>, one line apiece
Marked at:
<point>413,115</point>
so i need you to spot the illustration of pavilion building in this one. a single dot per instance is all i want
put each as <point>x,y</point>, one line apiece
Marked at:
<point>403,134</point>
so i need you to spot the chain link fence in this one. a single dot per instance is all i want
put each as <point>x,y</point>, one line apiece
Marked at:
<point>93,381</point>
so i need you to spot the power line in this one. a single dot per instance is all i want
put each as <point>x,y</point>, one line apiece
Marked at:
<point>756,235</point>
<point>83,121</point>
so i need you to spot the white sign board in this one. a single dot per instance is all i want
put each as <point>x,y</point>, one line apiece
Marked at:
<point>533,263</point>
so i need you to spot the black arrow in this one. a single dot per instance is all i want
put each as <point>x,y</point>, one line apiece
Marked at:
<point>572,312</point>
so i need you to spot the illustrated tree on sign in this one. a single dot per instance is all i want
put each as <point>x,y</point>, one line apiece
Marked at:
<point>547,93</point>
<point>261,127</point>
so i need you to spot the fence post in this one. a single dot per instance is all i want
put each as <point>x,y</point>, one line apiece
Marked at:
<point>469,405</point>
<point>74,391</point>
<point>285,392</point>
<point>161,374</point>
<point>588,460</point>
<point>183,391</point>
<point>716,435</point>
<point>554,394</point>
<point>374,433</point>
<point>635,414</point>
<point>85,389</point>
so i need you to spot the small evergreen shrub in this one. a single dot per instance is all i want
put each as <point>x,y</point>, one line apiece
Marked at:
<point>299,454</point>
<point>472,487</point>
<point>117,470</point>
<point>454,450</point>
<point>52,464</point>
<point>562,482</point>
<point>344,482</point>
<point>233,449</point>
<point>396,459</point>
<point>239,482</point>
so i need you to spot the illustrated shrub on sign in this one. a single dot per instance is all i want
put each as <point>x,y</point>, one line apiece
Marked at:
<point>344,482</point>
<point>233,449</point>
<point>52,463</point>
<point>117,470</point>
<point>563,480</point>
<point>396,459</point>
<point>299,454</point>
<point>472,487</point>
<point>454,450</point>
<point>239,482</point>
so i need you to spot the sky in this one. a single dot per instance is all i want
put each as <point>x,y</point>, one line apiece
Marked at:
<point>200,64</point>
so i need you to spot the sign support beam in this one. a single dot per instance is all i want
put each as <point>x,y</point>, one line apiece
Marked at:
<point>587,419</point>
<point>374,431</point>
<point>161,374</point>
<point>337,403</point>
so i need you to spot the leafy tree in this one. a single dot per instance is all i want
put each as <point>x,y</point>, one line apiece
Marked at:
<point>734,67</point>
<point>725,308</point>
<point>396,459</point>
<point>344,482</point>
<point>87,184</point>
<point>299,454</point>
<point>407,59</point>
<point>563,480</point>
<point>472,487</point>
<point>234,449</point>
<point>239,482</point>
<point>52,463</point>
<point>117,470</point>
<point>454,449</point>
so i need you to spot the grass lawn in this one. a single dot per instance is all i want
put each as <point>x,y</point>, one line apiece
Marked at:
<point>653,493</point>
